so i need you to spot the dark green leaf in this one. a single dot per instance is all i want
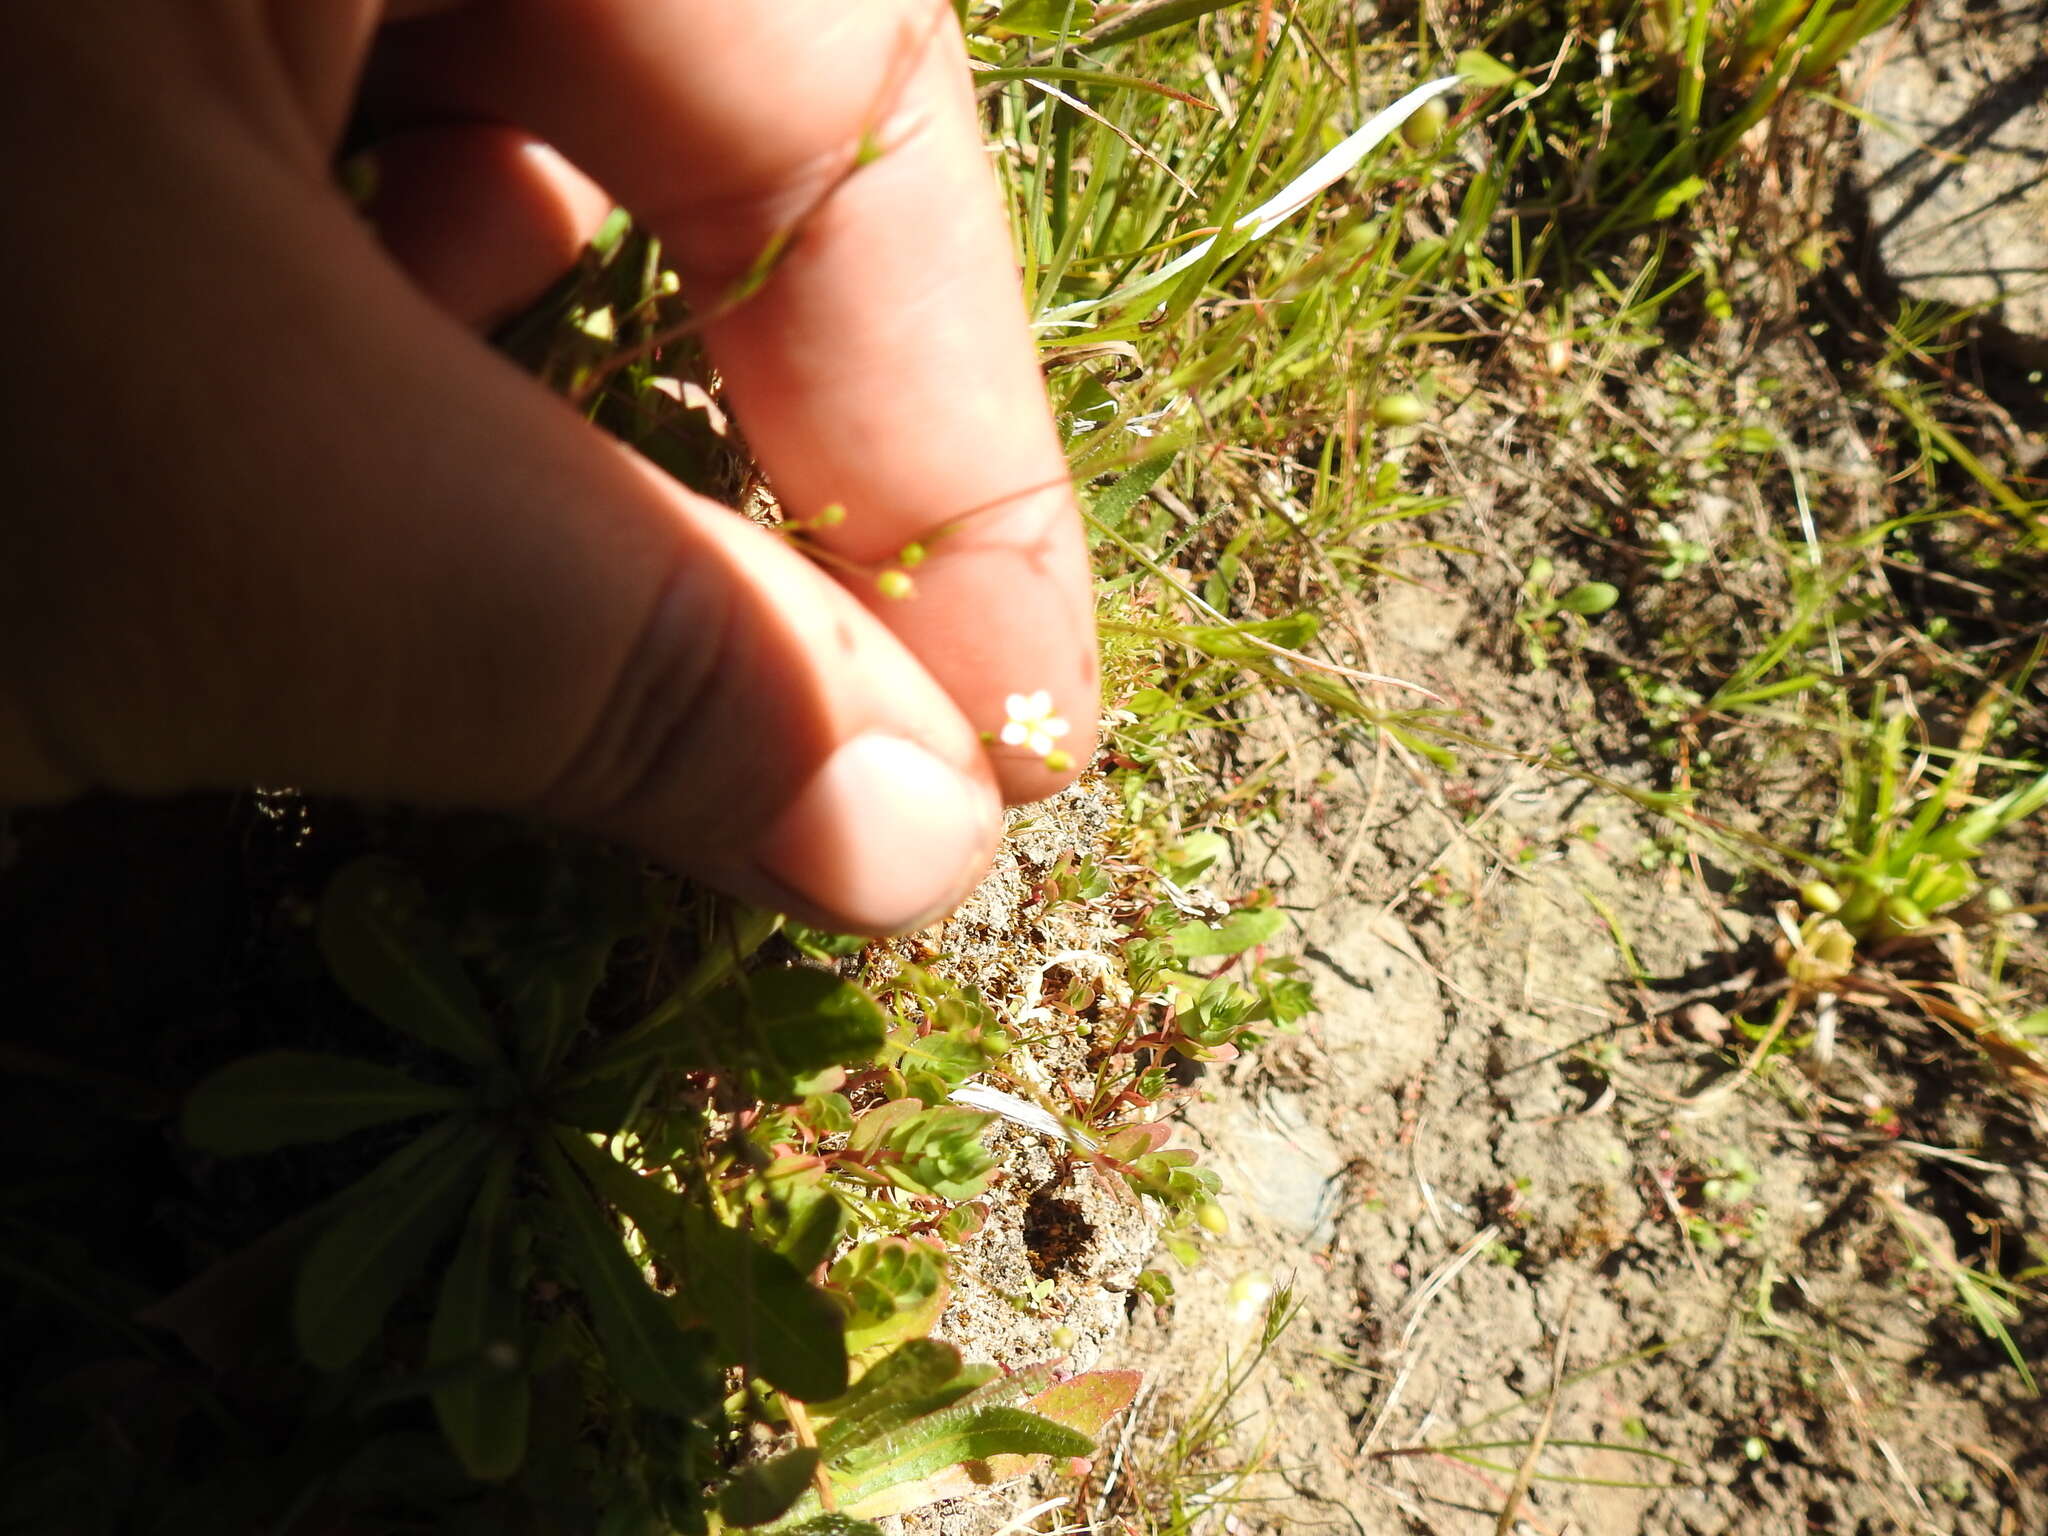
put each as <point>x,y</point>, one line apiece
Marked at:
<point>816,1218</point>
<point>766,1490</point>
<point>1113,504</point>
<point>1148,16</point>
<point>359,1266</point>
<point>797,1022</point>
<point>766,1315</point>
<point>603,1105</point>
<point>648,1352</point>
<point>541,921</point>
<point>777,1027</point>
<point>284,1098</point>
<point>388,953</point>
<point>483,1411</point>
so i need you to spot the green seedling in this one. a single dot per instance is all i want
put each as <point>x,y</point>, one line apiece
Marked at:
<point>1541,617</point>
<point>1909,835</point>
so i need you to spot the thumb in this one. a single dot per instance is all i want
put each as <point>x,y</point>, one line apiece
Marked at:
<point>301,528</point>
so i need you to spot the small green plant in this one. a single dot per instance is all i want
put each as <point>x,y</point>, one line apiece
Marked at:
<point>599,1214</point>
<point>1541,616</point>
<point>1908,837</point>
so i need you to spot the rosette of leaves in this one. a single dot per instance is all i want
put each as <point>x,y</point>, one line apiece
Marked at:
<point>928,1151</point>
<point>512,1177</point>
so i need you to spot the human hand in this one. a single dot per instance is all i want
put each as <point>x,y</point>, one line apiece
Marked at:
<point>277,515</point>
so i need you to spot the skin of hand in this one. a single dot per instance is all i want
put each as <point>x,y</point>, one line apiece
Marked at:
<point>277,514</point>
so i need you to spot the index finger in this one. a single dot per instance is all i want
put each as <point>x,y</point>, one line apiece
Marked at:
<point>885,364</point>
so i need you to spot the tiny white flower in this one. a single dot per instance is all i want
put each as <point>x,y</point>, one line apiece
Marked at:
<point>1032,723</point>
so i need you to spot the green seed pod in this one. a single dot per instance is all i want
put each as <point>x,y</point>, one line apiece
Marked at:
<point>1063,1338</point>
<point>1402,410</point>
<point>1212,1218</point>
<point>1819,896</point>
<point>1426,124</point>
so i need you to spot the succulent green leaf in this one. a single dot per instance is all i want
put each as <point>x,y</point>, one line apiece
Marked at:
<point>383,1237</point>
<point>389,954</point>
<point>477,1324</point>
<point>286,1098</point>
<point>940,1152</point>
<point>1590,598</point>
<point>889,1283</point>
<point>647,1351</point>
<point>766,1490</point>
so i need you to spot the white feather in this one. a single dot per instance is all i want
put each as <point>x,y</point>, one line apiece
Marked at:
<point>1021,1112</point>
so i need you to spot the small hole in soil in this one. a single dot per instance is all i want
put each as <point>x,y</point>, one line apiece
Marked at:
<point>1056,1234</point>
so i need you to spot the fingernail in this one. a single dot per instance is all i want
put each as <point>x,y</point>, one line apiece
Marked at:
<point>885,834</point>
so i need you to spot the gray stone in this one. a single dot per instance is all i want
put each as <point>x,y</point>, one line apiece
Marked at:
<point>1955,167</point>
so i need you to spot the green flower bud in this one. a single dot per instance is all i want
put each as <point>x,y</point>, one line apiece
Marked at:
<point>1425,124</point>
<point>1819,896</point>
<point>1402,410</point>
